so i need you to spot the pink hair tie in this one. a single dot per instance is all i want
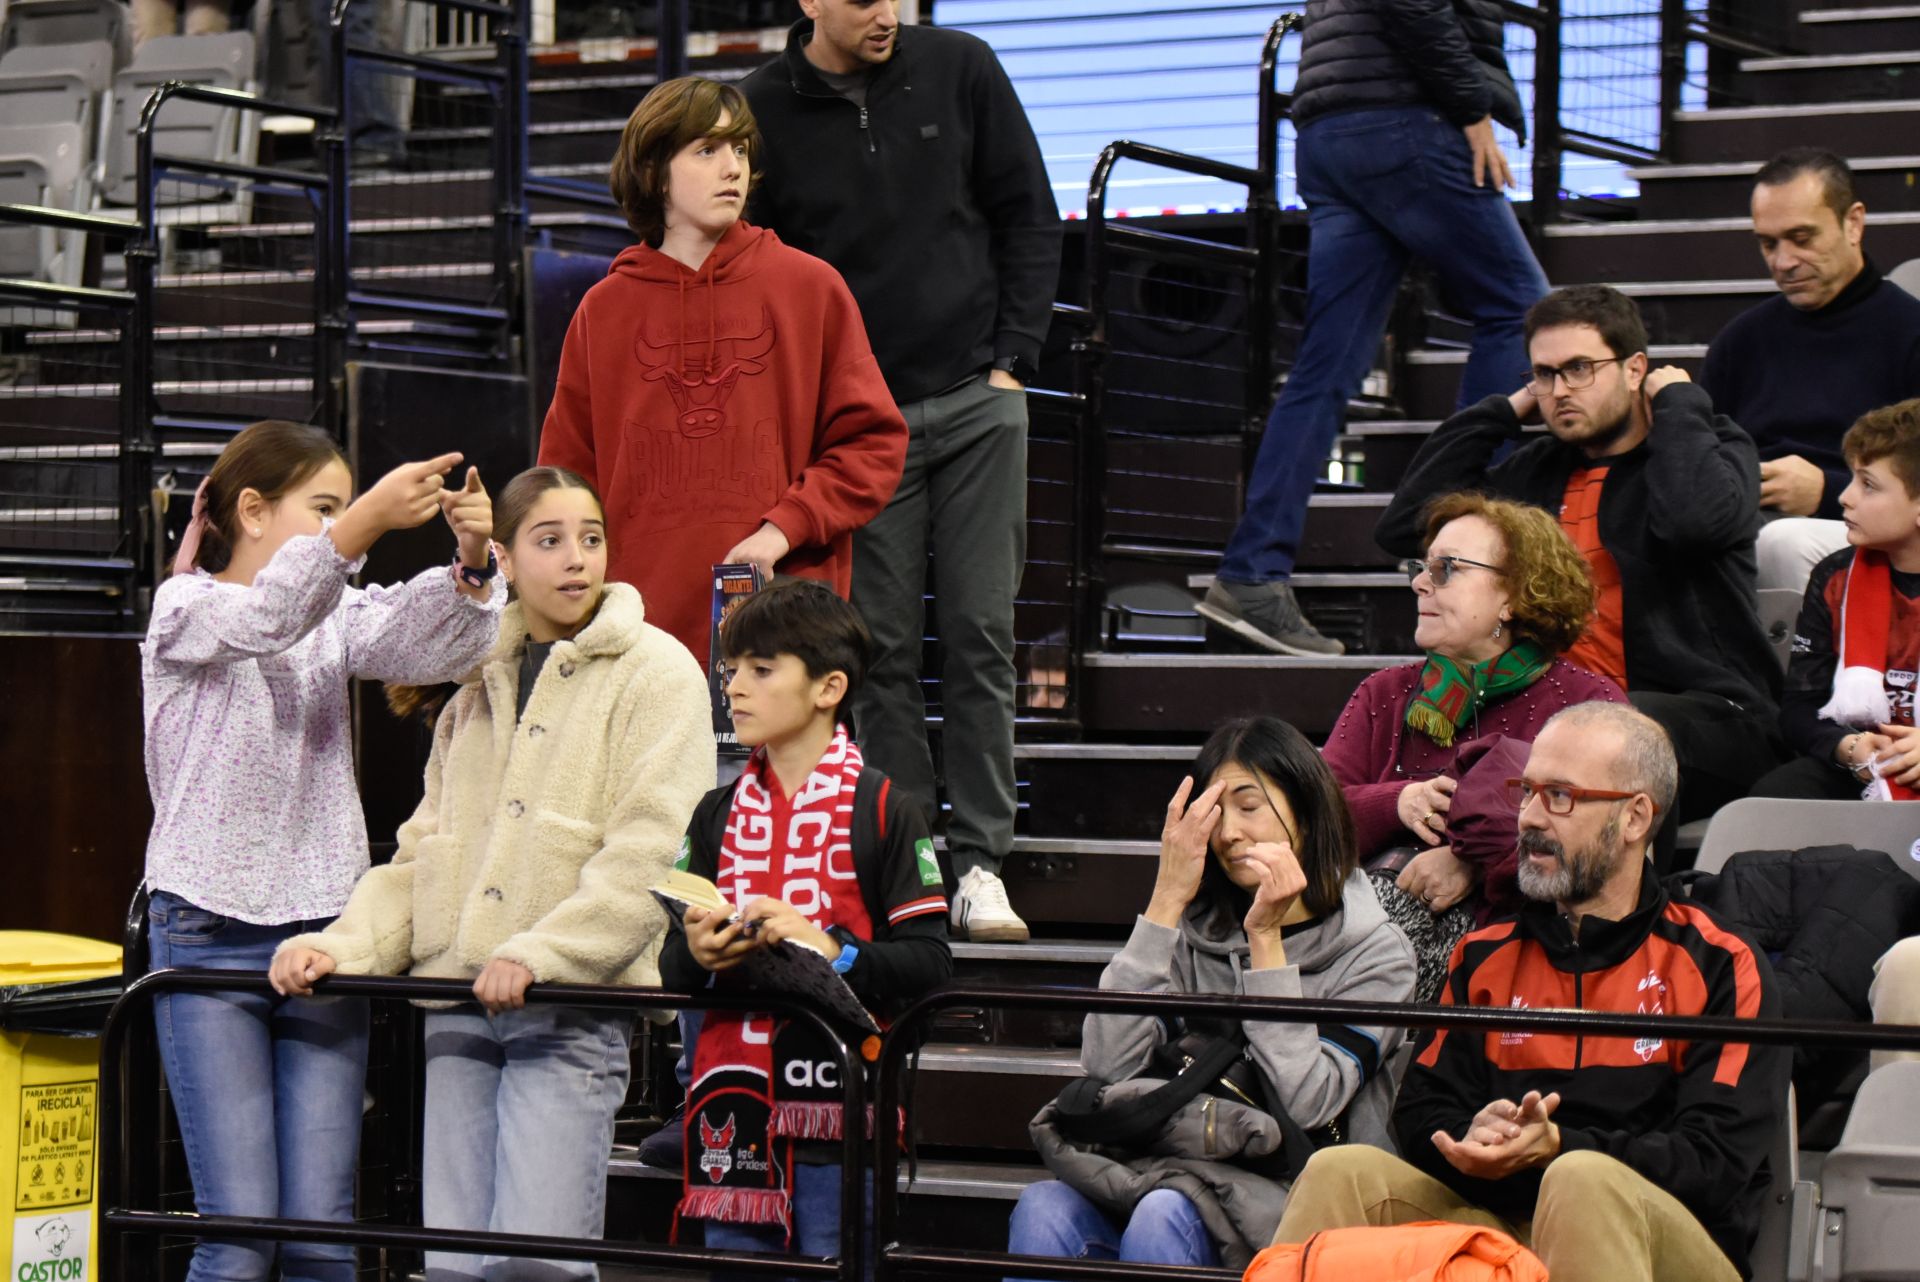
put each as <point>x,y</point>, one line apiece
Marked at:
<point>183,560</point>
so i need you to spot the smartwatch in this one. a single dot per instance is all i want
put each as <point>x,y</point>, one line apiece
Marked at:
<point>1019,366</point>
<point>849,953</point>
<point>476,578</point>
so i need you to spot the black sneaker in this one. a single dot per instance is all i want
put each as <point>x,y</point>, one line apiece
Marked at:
<point>1266,616</point>
<point>667,1147</point>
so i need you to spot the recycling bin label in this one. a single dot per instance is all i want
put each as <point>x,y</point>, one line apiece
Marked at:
<point>57,1124</point>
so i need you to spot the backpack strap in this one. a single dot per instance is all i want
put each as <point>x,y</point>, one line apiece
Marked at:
<point>1083,1118</point>
<point>871,792</point>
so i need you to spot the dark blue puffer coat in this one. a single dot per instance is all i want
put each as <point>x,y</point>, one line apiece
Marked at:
<point>1445,54</point>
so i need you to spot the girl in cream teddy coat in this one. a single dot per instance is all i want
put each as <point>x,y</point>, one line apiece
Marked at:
<point>560,785</point>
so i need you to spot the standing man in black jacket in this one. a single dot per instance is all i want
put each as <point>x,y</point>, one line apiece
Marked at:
<point>901,155</point>
<point>1395,105</point>
<point>1662,495</point>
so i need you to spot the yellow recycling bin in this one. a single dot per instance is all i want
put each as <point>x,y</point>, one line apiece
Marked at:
<point>54,994</point>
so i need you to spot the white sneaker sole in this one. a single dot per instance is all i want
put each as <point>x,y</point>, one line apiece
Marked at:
<point>1254,636</point>
<point>1014,932</point>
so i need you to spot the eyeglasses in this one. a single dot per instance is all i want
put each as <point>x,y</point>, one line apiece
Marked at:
<point>1440,568</point>
<point>1576,374</point>
<point>1560,798</point>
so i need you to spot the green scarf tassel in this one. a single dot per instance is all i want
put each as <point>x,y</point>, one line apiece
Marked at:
<point>1448,695</point>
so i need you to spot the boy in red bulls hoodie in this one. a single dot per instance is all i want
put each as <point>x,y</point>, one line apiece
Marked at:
<point>718,386</point>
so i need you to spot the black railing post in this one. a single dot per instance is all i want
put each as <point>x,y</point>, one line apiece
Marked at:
<point>143,541</point>
<point>1547,152</point>
<point>510,160</point>
<point>1676,35</point>
<point>670,60</point>
<point>332,286</point>
<point>1263,219</point>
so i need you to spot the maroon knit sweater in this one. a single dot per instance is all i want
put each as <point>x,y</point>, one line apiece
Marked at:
<point>1374,755</point>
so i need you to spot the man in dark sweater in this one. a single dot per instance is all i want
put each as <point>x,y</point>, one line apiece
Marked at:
<point>1798,369</point>
<point>1662,497</point>
<point>1395,105</point>
<point>901,155</point>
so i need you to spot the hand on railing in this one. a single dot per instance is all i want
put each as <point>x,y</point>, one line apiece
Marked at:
<point>1488,160</point>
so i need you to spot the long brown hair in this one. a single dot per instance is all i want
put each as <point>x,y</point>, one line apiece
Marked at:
<point>271,457</point>
<point>509,514</point>
<point>667,119</point>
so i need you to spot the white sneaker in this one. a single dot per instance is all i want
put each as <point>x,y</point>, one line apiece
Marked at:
<point>981,911</point>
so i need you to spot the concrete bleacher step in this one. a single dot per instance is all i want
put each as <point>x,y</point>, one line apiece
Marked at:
<point>1746,133</point>
<point>1723,189</point>
<point>1082,883</point>
<point>1101,791</point>
<point>381,242</point>
<point>1180,693</point>
<point>1691,248</point>
<point>462,191</point>
<point>1856,29</point>
<point>183,352</point>
<point>43,591</point>
<point>1338,534</point>
<point>1872,76</point>
<point>552,142</point>
<point>64,414</point>
<point>222,296</point>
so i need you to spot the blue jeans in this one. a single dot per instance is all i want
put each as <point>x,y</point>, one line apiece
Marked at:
<point>816,1220</point>
<point>268,1092</point>
<point>519,1125</point>
<point>1381,187</point>
<point>1054,1220</point>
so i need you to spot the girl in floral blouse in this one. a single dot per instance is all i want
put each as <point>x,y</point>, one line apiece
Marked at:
<point>257,831</point>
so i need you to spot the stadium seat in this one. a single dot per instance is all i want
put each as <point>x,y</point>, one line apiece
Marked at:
<point>1779,611</point>
<point>52,84</point>
<point>1907,276</point>
<point>1775,823</point>
<point>1784,1246</point>
<point>40,165</point>
<point>190,129</point>
<point>1870,1184</point>
<point>66,22</point>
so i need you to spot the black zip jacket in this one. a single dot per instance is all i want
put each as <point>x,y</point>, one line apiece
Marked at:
<point>1678,512</point>
<point>1816,653</point>
<point>1695,1118</point>
<point>932,201</point>
<point>1449,54</point>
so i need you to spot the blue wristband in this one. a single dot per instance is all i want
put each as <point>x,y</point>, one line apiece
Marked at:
<point>849,953</point>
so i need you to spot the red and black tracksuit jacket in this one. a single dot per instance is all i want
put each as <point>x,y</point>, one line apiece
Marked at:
<point>1695,1118</point>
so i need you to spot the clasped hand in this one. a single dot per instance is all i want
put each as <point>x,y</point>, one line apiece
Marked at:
<point>501,984</point>
<point>719,942</point>
<point>1505,1138</point>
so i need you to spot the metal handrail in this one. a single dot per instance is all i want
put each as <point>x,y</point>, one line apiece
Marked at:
<point>118,1146</point>
<point>1090,345</point>
<point>903,1036</point>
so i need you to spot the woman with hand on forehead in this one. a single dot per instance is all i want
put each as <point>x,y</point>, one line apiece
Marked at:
<point>1423,750</point>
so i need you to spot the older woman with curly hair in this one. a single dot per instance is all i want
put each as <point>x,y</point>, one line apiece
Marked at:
<point>1423,751</point>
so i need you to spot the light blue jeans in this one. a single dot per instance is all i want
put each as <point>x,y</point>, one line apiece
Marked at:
<point>519,1125</point>
<point>1054,1220</point>
<point>267,1091</point>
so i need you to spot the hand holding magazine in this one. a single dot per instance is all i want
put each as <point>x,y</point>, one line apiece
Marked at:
<point>784,967</point>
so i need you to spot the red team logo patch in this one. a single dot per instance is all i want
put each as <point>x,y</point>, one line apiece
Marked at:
<point>716,1149</point>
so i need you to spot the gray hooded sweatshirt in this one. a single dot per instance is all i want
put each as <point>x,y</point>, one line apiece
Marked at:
<point>1354,954</point>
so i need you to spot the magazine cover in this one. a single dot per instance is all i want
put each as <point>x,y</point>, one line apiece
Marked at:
<point>732,584</point>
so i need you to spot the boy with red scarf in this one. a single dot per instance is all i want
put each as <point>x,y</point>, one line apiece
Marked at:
<point>808,846</point>
<point>1848,702</point>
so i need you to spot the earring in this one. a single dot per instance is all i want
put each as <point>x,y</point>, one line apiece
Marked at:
<point>1496,629</point>
<point>256,534</point>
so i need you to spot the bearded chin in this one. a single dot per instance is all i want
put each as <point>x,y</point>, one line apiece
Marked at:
<point>1581,876</point>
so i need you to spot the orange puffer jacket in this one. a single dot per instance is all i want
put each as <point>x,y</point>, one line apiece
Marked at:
<point>1429,1251</point>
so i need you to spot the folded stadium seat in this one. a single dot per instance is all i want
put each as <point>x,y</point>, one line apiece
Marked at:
<point>1779,611</point>
<point>1783,1248</point>
<point>1781,823</point>
<point>66,22</point>
<point>192,129</point>
<point>1870,1184</point>
<point>1907,276</point>
<point>49,84</point>
<point>41,165</point>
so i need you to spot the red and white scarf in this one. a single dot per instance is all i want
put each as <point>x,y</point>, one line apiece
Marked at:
<point>1860,677</point>
<point>757,1080</point>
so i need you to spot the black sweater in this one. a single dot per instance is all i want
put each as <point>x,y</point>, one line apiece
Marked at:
<point>1449,54</point>
<point>932,201</point>
<point>1796,381</point>
<point>1678,513</point>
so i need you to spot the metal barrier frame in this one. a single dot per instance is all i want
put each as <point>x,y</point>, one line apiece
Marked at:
<point>892,1259</point>
<point>118,1145</point>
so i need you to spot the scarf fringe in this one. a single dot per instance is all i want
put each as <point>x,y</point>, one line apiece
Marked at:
<point>1859,699</point>
<point>739,1206</point>
<point>807,1120</point>
<point>1429,722</point>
